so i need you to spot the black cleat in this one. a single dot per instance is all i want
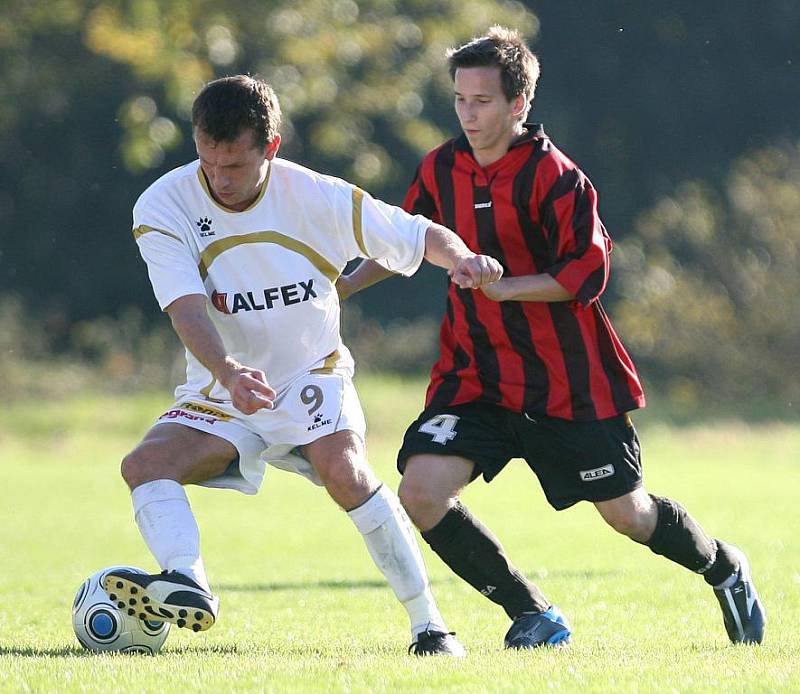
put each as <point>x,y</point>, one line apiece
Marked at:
<point>166,597</point>
<point>535,629</point>
<point>742,610</point>
<point>437,643</point>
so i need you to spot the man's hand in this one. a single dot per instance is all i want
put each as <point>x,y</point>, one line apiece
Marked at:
<point>248,388</point>
<point>475,271</point>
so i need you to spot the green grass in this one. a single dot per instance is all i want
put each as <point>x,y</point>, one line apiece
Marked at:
<point>303,608</point>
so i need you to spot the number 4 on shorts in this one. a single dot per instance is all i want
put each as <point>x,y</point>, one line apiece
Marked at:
<point>442,427</point>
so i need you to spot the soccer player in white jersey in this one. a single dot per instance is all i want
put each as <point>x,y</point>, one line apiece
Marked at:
<point>243,250</point>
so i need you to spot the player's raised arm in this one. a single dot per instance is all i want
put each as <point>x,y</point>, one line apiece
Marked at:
<point>467,269</point>
<point>247,386</point>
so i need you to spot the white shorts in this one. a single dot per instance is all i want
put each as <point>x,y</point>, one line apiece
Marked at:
<point>310,407</point>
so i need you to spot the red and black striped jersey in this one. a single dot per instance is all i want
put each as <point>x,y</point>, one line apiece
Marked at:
<point>535,211</point>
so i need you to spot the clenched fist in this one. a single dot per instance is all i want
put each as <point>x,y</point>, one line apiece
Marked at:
<point>476,271</point>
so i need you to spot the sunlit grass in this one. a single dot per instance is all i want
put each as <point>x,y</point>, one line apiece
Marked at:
<point>303,608</point>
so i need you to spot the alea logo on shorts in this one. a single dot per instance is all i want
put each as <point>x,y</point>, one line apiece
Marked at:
<point>597,474</point>
<point>264,299</point>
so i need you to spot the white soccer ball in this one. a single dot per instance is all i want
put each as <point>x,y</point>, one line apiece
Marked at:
<point>101,625</point>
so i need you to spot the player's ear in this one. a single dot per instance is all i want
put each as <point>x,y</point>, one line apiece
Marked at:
<point>272,147</point>
<point>520,104</point>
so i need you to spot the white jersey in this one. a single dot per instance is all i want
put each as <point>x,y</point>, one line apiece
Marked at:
<point>268,272</point>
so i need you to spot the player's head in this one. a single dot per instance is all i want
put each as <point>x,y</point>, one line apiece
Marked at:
<point>495,79</point>
<point>235,123</point>
<point>230,106</point>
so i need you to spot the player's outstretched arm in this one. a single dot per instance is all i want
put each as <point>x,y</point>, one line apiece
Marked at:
<point>541,287</point>
<point>248,387</point>
<point>369,272</point>
<point>467,269</point>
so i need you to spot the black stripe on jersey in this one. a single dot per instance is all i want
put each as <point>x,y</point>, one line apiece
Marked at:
<point>485,356</point>
<point>591,285</point>
<point>537,381</point>
<point>576,360</point>
<point>615,373</point>
<point>487,366</point>
<point>443,167</point>
<point>488,242</point>
<point>521,195</point>
<point>564,184</point>
<point>424,203</point>
<point>450,382</point>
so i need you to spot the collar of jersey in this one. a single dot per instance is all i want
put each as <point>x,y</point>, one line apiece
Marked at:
<point>533,131</point>
<point>204,184</point>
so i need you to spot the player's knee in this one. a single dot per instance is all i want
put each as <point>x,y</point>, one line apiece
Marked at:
<point>139,467</point>
<point>349,482</point>
<point>420,502</point>
<point>131,470</point>
<point>633,522</point>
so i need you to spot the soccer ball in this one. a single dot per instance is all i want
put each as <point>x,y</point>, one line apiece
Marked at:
<point>100,625</point>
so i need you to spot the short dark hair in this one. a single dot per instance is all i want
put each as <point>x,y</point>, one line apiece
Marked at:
<point>227,107</point>
<point>503,48</point>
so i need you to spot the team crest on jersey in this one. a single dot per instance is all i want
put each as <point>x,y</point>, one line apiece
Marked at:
<point>204,225</point>
<point>263,299</point>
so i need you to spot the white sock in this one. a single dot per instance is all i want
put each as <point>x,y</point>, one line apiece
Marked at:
<point>169,529</point>
<point>393,547</point>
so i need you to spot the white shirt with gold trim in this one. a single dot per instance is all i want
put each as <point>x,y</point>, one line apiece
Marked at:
<point>268,272</point>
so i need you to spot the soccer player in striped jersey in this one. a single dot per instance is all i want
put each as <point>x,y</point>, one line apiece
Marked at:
<point>243,249</point>
<point>531,366</point>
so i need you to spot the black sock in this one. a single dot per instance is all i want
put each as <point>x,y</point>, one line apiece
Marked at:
<point>471,550</point>
<point>680,538</point>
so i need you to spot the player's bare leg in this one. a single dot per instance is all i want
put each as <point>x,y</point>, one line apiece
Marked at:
<point>340,461</point>
<point>429,492</point>
<point>170,456</point>
<point>667,529</point>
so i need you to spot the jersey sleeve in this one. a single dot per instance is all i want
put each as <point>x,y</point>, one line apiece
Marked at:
<point>578,242</point>
<point>171,263</point>
<point>388,234</point>
<point>418,198</point>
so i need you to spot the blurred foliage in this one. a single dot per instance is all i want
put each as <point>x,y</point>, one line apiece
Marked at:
<point>343,70</point>
<point>113,354</point>
<point>710,286</point>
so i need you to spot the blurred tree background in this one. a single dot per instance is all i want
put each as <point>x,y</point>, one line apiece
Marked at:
<point>685,115</point>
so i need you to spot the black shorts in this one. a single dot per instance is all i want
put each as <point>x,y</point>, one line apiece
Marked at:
<point>574,461</point>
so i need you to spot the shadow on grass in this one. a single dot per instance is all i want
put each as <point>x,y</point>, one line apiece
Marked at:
<point>379,584</point>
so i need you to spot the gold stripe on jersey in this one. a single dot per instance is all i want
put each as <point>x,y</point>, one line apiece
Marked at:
<point>329,365</point>
<point>213,250</point>
<point>204,183</point>
<point>358,196</point>
<point>143,229</point>
<point>207,390</point>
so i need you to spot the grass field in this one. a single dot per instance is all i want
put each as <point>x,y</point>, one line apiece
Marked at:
<point>303,608</point>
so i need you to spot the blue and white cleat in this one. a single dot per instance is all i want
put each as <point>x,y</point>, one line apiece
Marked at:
<point>169,597</point>
<point>742,610</point>
<point>535,629</point>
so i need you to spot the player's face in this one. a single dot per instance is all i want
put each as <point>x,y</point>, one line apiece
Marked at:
<point>489,120</point>
<point>235,170</point>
